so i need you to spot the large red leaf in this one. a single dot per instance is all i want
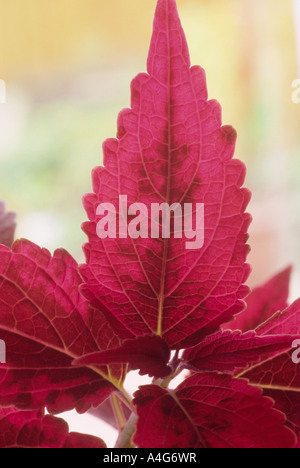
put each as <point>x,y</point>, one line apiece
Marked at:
<point>263,302</point>
<point>170,148</point>
<point>228,350</point>
<point>32,429</point>
<point>209,411</point>
<point>45,324</point>
<point>7,225</point>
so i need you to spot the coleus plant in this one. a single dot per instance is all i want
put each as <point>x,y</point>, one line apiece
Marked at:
<point>72,333</point>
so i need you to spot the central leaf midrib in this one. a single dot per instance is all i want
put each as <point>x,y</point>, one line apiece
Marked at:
<point>161,297</point>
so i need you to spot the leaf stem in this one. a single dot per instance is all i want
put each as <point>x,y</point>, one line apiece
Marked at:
<point>118,412</point>
<point>125,437</point>
<point>126,398</point>
<point>165,383</point>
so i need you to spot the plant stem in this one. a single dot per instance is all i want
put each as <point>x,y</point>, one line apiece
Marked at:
<point>126,398</point>
<point>124,439</point>
<point>167,380</point>
<point>118,412</point>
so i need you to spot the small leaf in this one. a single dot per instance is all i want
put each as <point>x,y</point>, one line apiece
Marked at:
<point>278,372</point>
<point>288,402</point>
<point>278,375</point>
<point>149,354</point>
<point>263,302</point>
<point>228,350</point>
<point>282,323</point>
<point>32,429</point>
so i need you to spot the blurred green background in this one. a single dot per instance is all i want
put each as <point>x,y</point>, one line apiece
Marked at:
<point>68,66</point>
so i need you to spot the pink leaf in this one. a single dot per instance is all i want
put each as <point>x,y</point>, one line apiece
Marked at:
<point>263,302</point>
<point>279,372</point>
<point>46,324</point>
<point>7,226</point>
<point>289,403</point>
<point>278,375</point>
<point>31,429</point>
<point>209,411</point>
<point>282,323</point>
<point>228,350</point>
<point>149,354</point>
<point>171,147</point>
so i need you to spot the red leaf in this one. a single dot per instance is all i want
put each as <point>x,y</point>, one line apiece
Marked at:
<point>45,324</point>
<point>31,429</point>
<point>209,411</point>
<point>276,373</point>
<point>228,350</point>
<point>7,225</point>
<point>170,148</point>
<point>149,354</point>
<point>279,372</point>
<point>289,404</point>
<point>76,440</point>
<point>283,323</point>
<point>279,376</point>
<point>263,302</point>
